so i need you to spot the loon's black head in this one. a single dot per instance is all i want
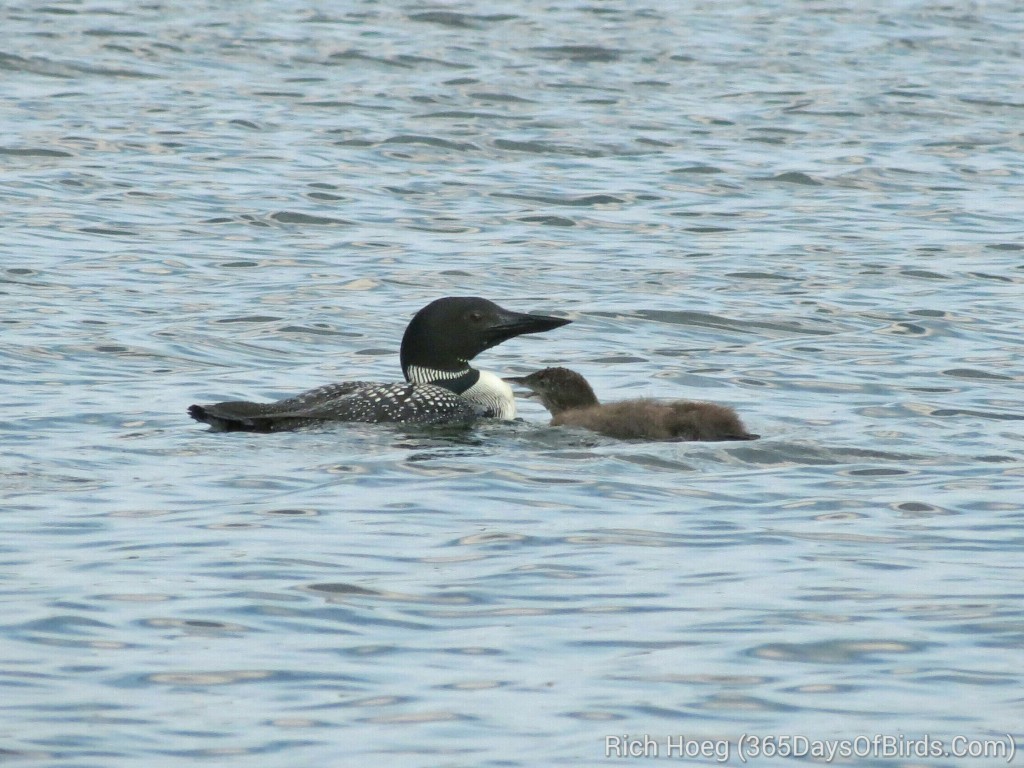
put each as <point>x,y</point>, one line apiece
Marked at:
<point>559,389</point>
<point>447,333</point>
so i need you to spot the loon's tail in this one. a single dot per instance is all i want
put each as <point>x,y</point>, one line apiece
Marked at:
<point>240,416</point>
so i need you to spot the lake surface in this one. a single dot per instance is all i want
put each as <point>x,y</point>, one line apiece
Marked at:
<point>812,213</point>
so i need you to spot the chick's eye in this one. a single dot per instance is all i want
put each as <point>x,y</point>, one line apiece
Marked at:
<point>475,316</point>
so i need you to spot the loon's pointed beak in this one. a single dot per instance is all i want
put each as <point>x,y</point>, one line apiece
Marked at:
<point>507,325</point>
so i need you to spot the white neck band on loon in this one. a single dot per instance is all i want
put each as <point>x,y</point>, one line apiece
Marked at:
<point>456,381</point>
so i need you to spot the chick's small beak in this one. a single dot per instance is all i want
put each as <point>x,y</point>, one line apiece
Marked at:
<point>520,381</point>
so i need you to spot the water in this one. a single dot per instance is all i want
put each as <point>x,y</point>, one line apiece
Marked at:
<point>808,212</point>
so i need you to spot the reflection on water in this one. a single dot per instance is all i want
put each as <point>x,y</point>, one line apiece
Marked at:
<point>812,216</point>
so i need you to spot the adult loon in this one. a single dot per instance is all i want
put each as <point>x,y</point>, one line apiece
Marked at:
<point>441,386</point>
<point>573,403</point>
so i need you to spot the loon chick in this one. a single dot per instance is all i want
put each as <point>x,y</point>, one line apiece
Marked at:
<point>441,386</point>
<point>573,403</point>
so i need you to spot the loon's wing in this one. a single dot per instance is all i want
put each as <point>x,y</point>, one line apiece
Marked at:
<point>404,403</point>
<point>360,401</point>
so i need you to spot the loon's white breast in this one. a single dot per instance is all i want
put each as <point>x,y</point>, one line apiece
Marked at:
<point>493,395</point>
<point>488,393</point>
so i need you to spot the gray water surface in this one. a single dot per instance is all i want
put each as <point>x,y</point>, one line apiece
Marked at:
<point>811,213</point>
